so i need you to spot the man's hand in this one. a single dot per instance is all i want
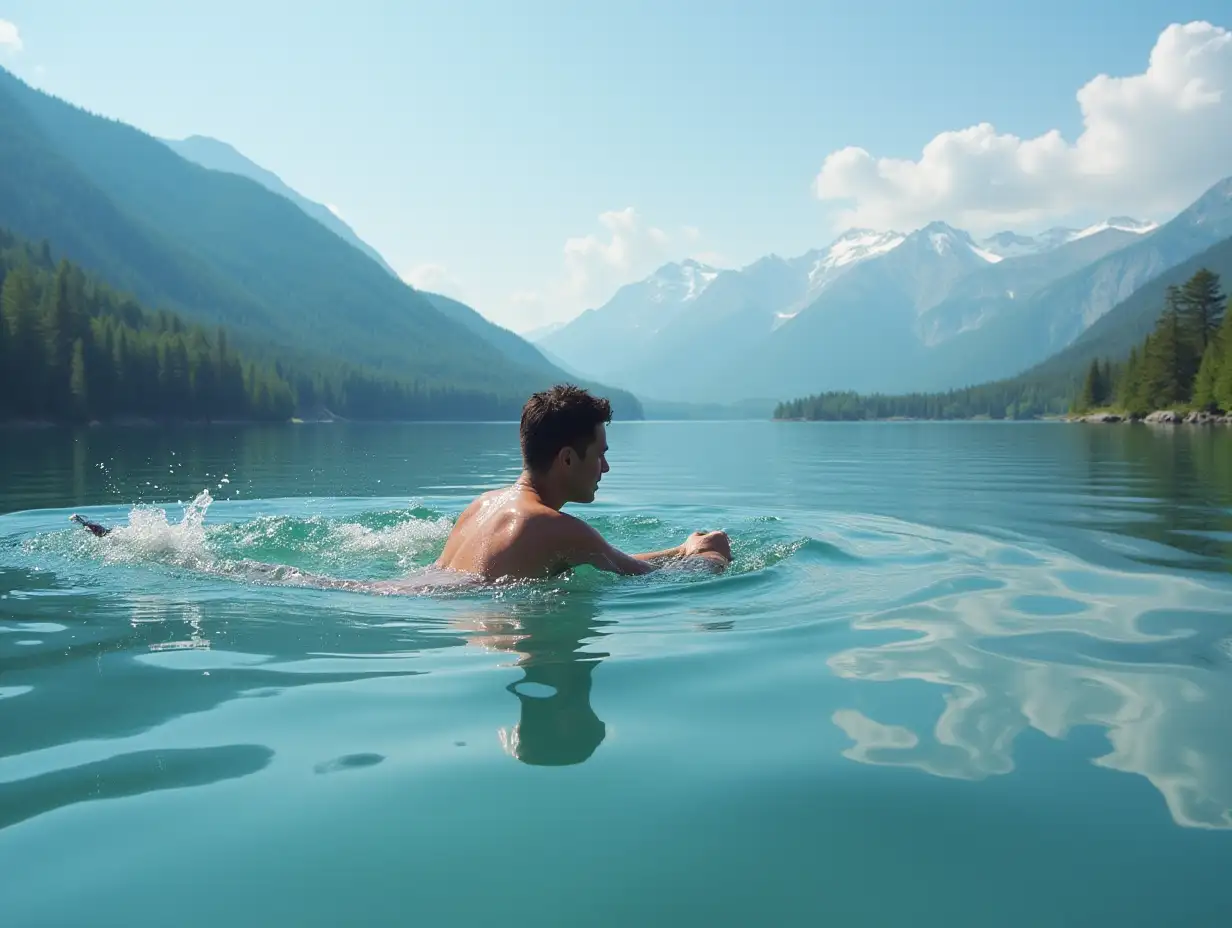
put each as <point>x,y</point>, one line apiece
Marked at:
<point>708,543</point>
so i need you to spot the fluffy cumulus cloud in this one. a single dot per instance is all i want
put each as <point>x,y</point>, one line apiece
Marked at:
<point>1150,144</point>
<point>10,38</point>
<point>626,248</point>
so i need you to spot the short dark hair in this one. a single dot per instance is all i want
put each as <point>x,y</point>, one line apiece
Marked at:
<point>563,415</point>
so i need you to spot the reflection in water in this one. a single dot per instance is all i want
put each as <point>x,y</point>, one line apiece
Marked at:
<point>158,609</point>
<point>1168,486</point>
<point>128,775</point>
<point>557,725</point>
<point>1141,662</point>
<point>89,678</point>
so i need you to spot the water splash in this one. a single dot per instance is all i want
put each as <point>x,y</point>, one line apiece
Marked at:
<point>151,536</point>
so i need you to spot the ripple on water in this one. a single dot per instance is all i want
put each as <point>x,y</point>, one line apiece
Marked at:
<point>1009,635</point>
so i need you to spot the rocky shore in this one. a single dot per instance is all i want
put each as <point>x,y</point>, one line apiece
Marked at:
<point>1159,417</point>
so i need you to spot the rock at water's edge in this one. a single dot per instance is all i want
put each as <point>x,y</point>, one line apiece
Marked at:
<point>1101,417</point>
<point>1164,417</point>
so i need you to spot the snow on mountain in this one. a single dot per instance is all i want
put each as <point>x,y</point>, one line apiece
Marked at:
<point>946,240</point>
<point>1013,244</point>
<point>1010,244</point>
<point>603,340</point>
<point>680,282</point>
<point>850,248</point>
<point>1123,223</point>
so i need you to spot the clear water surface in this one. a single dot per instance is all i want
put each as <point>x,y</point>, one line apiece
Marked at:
<point>959,674</point>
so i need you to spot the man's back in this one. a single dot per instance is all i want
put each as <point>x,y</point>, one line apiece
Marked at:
<point>504,533</point>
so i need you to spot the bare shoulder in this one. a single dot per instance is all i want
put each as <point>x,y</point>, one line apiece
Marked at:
<point>559,534</point>
<point>477,504</point>
<point>546,523</point>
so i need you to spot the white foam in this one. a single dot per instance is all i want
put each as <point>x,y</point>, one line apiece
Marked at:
<point>151,535</point>
<point>405,541</point>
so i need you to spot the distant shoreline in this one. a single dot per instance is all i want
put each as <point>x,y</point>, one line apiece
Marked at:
<point>145,423</point>
<point>1159,417</point>
<point>1056,418</point>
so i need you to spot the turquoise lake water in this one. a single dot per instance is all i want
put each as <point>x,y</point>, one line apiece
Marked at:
<point>959,674</point>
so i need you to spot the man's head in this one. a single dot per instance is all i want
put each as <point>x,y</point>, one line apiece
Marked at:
<point>564,439</point>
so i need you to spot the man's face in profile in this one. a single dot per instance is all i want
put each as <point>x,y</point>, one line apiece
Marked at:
<point>589,469</point>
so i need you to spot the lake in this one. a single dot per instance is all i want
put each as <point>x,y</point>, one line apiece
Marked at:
<point>958,674</point>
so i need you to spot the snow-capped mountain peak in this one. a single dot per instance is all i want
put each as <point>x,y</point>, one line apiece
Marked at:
<point>943,239</point>
<point>1121,223</point>
<point>680,282</point>
<point>1013,244</point>
<point>852,247</point>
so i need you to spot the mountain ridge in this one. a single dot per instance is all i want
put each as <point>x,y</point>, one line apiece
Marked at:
<point>222,248</point>
<point>216,155</point>
<point>932,309</point>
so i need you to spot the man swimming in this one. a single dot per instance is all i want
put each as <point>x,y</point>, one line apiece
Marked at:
<point>520,533</point>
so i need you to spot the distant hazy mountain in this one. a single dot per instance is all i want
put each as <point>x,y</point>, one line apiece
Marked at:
<point>1126,325</point>
<point>601,341</point>
<point>1056,315</point>
<point>991,291</point>
<point>521,352</point>
<point>646,335</point>
<point>1013,245</point>
<point>877,312</point>
<point>219,156</point>
<point>860,330</point>
<point>541,332</point>
<point>825,265</point>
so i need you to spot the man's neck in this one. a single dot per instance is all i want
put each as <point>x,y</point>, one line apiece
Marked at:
<point>537,485</point>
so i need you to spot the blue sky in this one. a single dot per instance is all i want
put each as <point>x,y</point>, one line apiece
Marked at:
<point>470,141</point>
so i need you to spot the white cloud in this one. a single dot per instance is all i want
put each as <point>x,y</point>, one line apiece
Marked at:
<point>10,38</point>
<point>596,265</point>
<point>712,258</point>
<point>1151,143</point>
<point>333,209</point>
<point>435,279</point>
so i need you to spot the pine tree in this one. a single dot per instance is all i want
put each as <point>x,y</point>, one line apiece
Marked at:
<point>122,376</point>
<point>1106,383</point>
<point>7,361</point>
<point>77,380</point>
<point>58,337</point>
<point>1092,389</point>
<point>1170,361</point>
<point>1206,383</point>
<point>102,372</point>
<point>1222,346</point>
<point>19,313</point>
<point>1201,306</point>
<point>1129,389</point>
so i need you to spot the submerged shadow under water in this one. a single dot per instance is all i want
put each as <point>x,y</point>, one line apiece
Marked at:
<point>553,646</point>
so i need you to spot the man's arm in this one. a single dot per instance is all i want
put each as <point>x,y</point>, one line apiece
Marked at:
<point>582,544</point>
<point>657,557</point>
